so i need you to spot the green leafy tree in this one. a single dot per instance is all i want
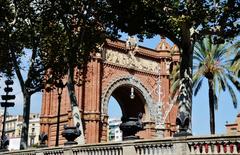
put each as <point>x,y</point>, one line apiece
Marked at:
<point>70,32</point>
<point>183,22</point>
<point>60,36</point>
<point>6,20</point>
<point>213,63</point>
<point>19,26</point>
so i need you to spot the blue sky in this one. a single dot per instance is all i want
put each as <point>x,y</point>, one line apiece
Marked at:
<point>200,113</point>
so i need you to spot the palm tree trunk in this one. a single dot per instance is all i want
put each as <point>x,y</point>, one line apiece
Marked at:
<point>25,124</point>
<point>211,106</point>
<point>74,106</point>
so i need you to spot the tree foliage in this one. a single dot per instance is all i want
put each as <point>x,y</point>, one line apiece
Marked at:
<point>70,31</point>
<point>213,62</point>
<point>183,22</point>
<point>178,20</point>
<point>20,26</point>
<point>60,34</point>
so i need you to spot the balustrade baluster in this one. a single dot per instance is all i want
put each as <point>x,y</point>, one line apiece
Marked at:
<point>79,152</point>
<point>198,148</point>
<point>208,148</point>
<point>216,148</point>
<point>142,150</point>
<point>163,149</point>
<point>157,149</point>
<point>110,151</point>
<point>168,149</point>
<point>115,151</point>
<point>151,150</point>
<point>92,151</point>
<point>104,151</point>
<point>221,151</point>
<point>121,151</point>
<point>86,152</point>
<point>227,147</point>
<point>235,148</point>
<point>100,151</point>
<point>191,148</point>
<point>139,150</point>
<point>148,150</point>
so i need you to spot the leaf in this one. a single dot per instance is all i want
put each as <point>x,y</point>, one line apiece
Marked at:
<point>198,86</point>
<point>233,96</point>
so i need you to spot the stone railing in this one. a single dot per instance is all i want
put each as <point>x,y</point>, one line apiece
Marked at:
<point>212,145</point>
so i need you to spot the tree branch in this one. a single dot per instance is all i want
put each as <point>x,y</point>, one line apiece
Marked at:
<point>17,69</point>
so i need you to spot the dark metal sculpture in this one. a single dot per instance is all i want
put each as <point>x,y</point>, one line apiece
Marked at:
<point>43,137</point>
<point>71,133</point>
<point>5,143</point>
<point>130,126</point>
<point>182,121</point>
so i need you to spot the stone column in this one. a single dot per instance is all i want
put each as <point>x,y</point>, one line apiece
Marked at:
<point>181,148</point>
<point>129,150</point>
<point>92,100</point>
<point>104,129</point>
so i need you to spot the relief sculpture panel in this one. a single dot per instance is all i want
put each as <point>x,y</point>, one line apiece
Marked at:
<point>131,61</point>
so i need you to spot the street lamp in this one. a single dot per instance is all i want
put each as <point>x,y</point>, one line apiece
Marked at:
<point>59,84</point>
<point>4,140</point>
<point>132,96</point>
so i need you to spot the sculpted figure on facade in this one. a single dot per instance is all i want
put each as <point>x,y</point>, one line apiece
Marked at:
<point>133,62</point>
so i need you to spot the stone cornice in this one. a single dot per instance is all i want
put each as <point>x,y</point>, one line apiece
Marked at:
<point>146,52</point>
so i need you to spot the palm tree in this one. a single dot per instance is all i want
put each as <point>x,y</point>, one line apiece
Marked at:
<point>236,60</point>
<point>213,63</point>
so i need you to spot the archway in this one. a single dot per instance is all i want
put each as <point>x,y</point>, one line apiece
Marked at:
<point>114,71</point>
<point>120,88</point>
<point>125,101</point>
<point>130,100</point>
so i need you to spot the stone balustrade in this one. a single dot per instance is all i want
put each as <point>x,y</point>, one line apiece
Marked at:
<point>211,145</point>
<point>214,145</point>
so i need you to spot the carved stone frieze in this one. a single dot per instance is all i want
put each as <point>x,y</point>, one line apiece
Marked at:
<point>131,61</point>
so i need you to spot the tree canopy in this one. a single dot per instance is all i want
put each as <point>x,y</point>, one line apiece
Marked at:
<point>177,20</point>
<point>183,22</point>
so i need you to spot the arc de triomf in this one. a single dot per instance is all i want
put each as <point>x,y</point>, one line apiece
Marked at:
<point>138,78</point>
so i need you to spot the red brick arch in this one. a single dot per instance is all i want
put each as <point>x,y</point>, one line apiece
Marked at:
<point>111,72</point>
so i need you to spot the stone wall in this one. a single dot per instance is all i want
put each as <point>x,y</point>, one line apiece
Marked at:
<point>211,145</point>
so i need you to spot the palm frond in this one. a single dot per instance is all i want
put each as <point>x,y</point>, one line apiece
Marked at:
<point>198,57</point>
<point>233,95</point>
<point>198,86</point>
<point>222,83</point>
<point>234,80</point>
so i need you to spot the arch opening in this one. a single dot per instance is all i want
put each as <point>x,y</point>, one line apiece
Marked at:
<point>130,100</point>
<point>125,101</point>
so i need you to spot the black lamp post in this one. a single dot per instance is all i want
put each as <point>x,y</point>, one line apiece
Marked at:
<point>5,104</point>
<point>59,84</point>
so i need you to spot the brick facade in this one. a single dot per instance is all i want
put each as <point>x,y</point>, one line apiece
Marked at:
<point>113,73</point>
